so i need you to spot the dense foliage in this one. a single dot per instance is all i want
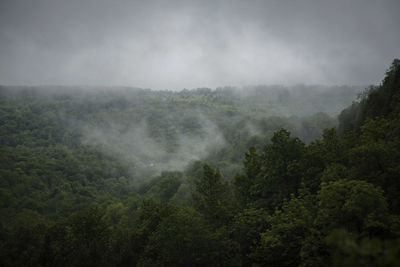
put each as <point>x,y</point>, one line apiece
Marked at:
<point>71,198</point>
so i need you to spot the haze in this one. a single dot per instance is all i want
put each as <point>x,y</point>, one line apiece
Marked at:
<point>186,44</point>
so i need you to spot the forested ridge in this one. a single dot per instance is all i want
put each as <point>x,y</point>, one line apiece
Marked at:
<point>262,177</point>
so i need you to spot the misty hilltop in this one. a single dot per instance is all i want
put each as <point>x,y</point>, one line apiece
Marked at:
<point>199,133</point>
<point>262,176</point>
<point>155,131</point>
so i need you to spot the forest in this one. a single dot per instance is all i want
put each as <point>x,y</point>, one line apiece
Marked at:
<point>256,176</point>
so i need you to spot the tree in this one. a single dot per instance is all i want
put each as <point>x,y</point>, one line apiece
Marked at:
<point>281,244</point>
<point>348,250</point>
<point>357,206</point>
<point>211,196</point>
<point>245,231</point>
<point>183,238</point>
<point>86,240</point>
<point>244,182</point>
<point>281,172</point>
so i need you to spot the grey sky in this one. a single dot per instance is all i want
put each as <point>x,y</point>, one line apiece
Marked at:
<point>187,44</point>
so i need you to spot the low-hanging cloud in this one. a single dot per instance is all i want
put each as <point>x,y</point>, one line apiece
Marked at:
<point>148,155</point>
<point>186,44</point>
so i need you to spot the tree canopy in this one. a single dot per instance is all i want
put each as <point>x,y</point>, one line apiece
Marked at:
<point>105,190</point>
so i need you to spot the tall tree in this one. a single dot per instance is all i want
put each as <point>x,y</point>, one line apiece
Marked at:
<point>211,196</point>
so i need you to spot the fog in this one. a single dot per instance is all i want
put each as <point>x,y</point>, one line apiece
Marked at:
<point>154,131</point>
<point>148,155</point>
<point>189,44</point>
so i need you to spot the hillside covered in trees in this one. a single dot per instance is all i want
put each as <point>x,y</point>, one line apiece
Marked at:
<point>264,176</point>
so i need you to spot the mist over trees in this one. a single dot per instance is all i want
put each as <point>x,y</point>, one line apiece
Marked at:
<point>260,176</point>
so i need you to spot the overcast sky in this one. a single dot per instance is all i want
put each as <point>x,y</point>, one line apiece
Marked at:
<point>189,44</point>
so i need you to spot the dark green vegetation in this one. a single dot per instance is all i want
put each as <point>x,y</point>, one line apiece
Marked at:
<point>199,178</point>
